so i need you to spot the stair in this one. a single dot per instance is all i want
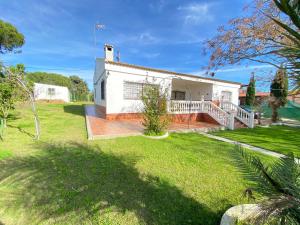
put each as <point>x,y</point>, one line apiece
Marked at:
<point>238,124</point>
<point>239,113</point>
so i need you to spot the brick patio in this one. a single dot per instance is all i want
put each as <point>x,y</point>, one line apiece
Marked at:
<point>98,127</point>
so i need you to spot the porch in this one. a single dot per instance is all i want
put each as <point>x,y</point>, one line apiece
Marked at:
<point>191,90</point>
<point>225,113</point>
<point>100,128</point>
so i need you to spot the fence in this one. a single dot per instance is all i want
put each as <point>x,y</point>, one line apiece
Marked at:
<point>289,111</point>
<point>81,97</point>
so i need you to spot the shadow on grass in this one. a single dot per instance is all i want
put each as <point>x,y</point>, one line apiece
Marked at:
<point>22,130</point>
<point>80,184</point>
<point>74,109</point>
<point>13,116</point>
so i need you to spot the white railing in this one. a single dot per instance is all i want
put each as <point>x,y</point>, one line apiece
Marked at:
<point>242,115</point>
<point>184,107</point>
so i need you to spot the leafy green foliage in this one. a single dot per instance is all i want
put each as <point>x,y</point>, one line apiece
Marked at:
<point>155,117</point>
<point>78,85</point>
<point>279,182</point>
<point>250,95</point>
<point>10,38</point>
<point>7,100</point>
<point>79,89</point>
<point>278,92</point>
<point>49,78</point>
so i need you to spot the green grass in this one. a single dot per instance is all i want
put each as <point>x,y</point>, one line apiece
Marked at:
<point>282,139</point>
<point>4,154</point>
<point>63,179</point>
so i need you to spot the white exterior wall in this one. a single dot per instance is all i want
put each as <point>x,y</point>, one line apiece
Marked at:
<point>115,84</point>
<point>41,92</point>
<point>115,76</point>
<point>99,75</point>
<point>233,88</point>
<point>193,90</point>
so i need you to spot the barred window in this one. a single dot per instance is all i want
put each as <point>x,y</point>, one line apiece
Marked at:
<point>51,91</point>
<point>133,90</point>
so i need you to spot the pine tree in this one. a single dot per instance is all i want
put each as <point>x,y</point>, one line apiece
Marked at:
<point>279,92</point>
<point>250,95</point>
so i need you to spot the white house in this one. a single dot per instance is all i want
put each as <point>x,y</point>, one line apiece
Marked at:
<point>119,86</point>
<point>51,92</point>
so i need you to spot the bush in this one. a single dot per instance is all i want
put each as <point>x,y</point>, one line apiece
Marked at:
<point>155,117</point>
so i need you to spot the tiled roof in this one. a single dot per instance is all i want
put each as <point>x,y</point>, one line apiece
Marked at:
<point>257,94</point>
<point>166,71</point>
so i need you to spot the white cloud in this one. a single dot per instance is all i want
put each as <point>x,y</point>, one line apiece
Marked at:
<point>147,37</point>
<point>158,6</point>
<point>242,68</point>
<point>197,13</point>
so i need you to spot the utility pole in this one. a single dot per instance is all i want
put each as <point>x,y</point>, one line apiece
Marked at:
<point>98,26</point>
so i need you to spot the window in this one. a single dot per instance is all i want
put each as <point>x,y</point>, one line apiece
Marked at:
<point>226,96</point>
<point>133,90</point>
<point>178,95</point>
<point>102,90</point>
<point>51,91</point>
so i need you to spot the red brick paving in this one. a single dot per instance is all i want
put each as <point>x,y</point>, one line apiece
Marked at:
<point>100,127</point>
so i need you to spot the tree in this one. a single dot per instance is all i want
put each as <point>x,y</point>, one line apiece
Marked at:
<point>264,34</point>
<point>7,101</point>
<point>279,183</point>
<point>14,78</point>
<point>10,93</point>
<point>79,87</point>
<point>291,8</point>
<point>155,119</point>
<point>278,92</point>
<point>49,78</point>
<point>250,95</point>
<point>10,38</point>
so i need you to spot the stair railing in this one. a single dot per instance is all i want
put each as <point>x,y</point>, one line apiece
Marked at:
<point>241,114</point>
<point>221,116</point>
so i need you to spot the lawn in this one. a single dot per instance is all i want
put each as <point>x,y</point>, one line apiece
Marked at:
<point>282,139</point>
<point>63,179</point>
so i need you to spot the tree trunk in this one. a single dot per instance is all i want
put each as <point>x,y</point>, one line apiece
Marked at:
<point>259,118</point>
<point>4,123</point>
<point>274,113</point>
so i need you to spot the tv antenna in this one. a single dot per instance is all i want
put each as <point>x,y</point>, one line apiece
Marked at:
<point>97,26</point>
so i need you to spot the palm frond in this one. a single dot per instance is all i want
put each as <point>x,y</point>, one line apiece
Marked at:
<point>280,184</point>
<point>279,209</point>
<point>253,170</point>
<point>287,173</point>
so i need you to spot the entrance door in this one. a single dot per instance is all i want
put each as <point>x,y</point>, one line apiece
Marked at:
<point>226,96</point>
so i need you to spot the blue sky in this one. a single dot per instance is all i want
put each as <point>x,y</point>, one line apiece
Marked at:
<point>165,34</point>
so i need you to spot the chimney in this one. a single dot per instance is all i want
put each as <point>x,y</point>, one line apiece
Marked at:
<point>109,52</point>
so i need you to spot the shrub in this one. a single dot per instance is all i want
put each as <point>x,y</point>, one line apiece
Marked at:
<point>155,117</point>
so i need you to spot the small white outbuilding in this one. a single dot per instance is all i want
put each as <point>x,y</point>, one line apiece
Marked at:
<point>51,92</point>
